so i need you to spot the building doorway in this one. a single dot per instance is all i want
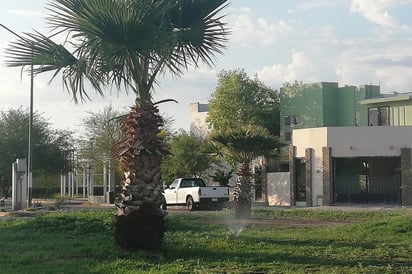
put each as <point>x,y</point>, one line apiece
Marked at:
<point>367,180</point>
<point>300,184</point>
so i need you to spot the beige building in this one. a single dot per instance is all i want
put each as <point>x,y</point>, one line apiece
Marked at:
<point>198,124</point>
<point>340,165</point>
<point>333,165</point>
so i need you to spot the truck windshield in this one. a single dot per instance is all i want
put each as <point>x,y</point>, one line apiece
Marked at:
<point>191,182</point>
<point>174,184</point>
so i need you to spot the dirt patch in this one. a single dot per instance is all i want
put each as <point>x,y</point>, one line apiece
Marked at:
<point>286,223</point>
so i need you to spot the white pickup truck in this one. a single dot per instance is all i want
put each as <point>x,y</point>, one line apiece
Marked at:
<point>193,192</point>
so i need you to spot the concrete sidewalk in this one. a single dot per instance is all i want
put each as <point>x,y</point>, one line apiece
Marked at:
<point>69,205</point>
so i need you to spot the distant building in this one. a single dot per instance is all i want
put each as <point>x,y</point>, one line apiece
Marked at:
<point>334,165</point>
<point>324,104</point>
<point>394,109</point>
<point>198,125</point>
<point>347,145</point>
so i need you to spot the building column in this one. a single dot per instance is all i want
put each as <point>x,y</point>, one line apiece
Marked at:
<point>265,180</point>
<point>406,177</point>
<point>308,175</point>
<point>292,174</point>
<point>327,176</point>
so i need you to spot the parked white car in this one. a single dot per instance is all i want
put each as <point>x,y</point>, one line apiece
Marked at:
<point>193,192</point>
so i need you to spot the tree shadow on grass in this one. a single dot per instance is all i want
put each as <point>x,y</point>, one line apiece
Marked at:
<point>309,253</point>
<point>259,249</point>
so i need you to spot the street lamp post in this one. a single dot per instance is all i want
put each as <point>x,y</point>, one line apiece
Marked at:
<point>29,152</point>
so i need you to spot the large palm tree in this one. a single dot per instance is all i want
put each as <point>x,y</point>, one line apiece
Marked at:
<point>128,43</point>
<point>241,145</point>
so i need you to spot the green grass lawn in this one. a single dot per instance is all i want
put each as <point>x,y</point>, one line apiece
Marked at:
<point>344,242</point>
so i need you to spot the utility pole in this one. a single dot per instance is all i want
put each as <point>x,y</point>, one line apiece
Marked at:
<point>29,152</point>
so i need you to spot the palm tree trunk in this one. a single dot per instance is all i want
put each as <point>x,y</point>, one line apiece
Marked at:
<point>243,193</point>
<point>140,221</point>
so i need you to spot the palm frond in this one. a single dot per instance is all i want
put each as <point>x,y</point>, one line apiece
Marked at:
<point>243,144</point>
<point>164,101</point>
<point>125,43</point>
<point>40,51</point>
<point>121,34</point>
<point>200,32</point>
<point>46,55</point>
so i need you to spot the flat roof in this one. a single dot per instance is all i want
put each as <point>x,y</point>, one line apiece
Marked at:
<point>395,98</point>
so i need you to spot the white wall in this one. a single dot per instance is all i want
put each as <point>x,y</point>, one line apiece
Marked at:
<point>315,138</point>
<point>198,124</point>
<point>278,188</point>
<point>368,141</point>
<point>349,142</point>
<point>353,141</point>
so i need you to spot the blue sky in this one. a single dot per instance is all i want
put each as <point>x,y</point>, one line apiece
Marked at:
<point>353,42</point>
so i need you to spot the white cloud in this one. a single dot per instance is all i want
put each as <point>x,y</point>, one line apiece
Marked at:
<point>248,30</point>
<point>390,67</point>
<point>349,72</point>
<point>390,78</point>
<point>25,13</point>
<point>376,11</point>
<point>301,68</point>
<point>195,81</point>
<point>387,65</point>
<point>395,79</point>
<point>308,5</point>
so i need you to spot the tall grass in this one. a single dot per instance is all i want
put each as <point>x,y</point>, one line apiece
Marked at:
<point>198,242</point>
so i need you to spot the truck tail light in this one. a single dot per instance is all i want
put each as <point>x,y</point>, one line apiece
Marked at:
<point>200,191</point>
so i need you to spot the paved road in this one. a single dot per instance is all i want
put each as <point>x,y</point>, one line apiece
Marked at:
<point>76,205</point>
<point>83,204</point>
<point>69,205</point>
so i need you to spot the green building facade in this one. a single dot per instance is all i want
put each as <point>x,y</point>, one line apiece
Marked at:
<point>353,147</point>
<point>325,104</point>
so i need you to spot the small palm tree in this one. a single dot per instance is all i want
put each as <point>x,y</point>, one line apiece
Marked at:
<point>222,177</point>
<point>242,145</point>
<point>128,43</point>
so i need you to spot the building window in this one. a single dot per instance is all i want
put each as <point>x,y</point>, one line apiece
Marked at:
<point>291,120</point>
<point>295,119</point>
<point>357,118</point>
<point>286,120</point>
<point>378,116</point>
<point>384,116</point>
<point>404,117</point>
<point>288,136</point>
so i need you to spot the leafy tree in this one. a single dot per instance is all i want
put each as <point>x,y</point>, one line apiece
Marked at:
<point>50,159</point>
<point>221,166</point>
<point>128,43</point>
<point>105,133</point>
<point>102,126</point>
<point>239,100</point>
<point>47,146</point>
<point>104,130</point>
<point>48,183</point>
<point>186,157</point>
<point>242,145</point>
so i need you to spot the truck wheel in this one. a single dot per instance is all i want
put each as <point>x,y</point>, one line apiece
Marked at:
<point>219,206</point>
<point>164,205</point>
<point>190,205</point>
